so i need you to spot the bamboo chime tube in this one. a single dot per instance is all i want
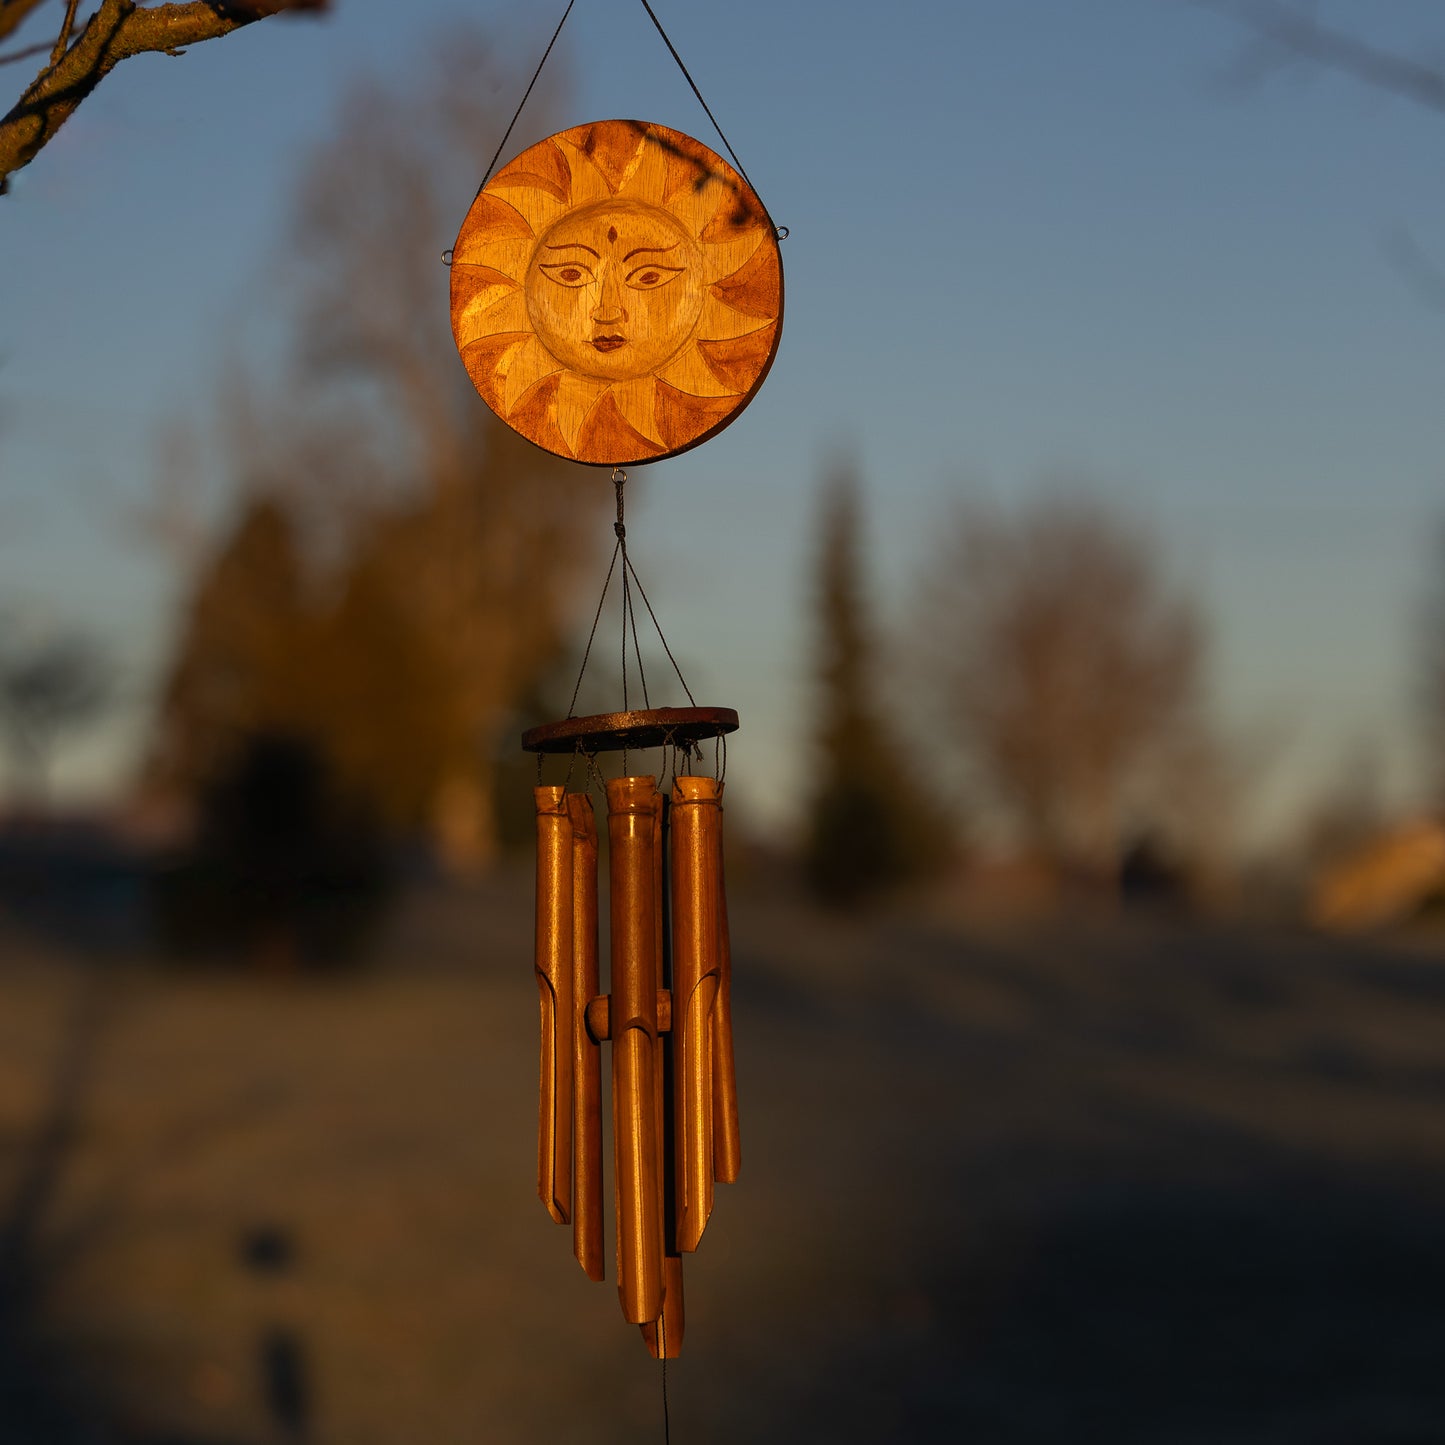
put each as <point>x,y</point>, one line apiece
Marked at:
<point>696,961</point>
<point>587,1053</point>
<point>727,1147</point>
<point>632,823</point>
<point>554,946</point>
<point>664,1335</point>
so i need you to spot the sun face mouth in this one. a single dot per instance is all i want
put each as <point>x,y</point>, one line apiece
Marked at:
<point>609,342</point>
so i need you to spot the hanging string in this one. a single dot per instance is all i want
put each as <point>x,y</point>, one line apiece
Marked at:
<point>662,1350</point>
<point>487,175</point>
<point>619,480</point>
<point>726,142</point>
<point>661,637</point>
<point>591,636</point>
<point>630,579</point>
<point>629,619</point>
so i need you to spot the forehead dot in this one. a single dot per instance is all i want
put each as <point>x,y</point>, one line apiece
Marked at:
<point>612,233</point>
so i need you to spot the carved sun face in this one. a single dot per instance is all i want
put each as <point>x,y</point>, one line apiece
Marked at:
<point>617,293</point>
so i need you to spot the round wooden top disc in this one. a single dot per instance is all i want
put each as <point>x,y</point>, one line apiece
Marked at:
<point>617,293</point>
<point>610,732</point>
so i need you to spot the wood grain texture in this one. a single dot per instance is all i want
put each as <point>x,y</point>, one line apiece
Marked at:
<point>658,727</point>
<point>554,970</point>
<point>617,293</point>
<point>632,822</point>
<point>587,1242</point>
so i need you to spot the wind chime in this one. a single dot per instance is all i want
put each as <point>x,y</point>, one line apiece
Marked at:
<point>617,296</point>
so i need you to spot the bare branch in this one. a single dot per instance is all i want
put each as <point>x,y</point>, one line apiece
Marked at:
<point>63,39</point>
<point>1419,271</point>
<point>13,12</point>
<point>27,53</point>
<point>118,30</point>
<point>1296,32</point>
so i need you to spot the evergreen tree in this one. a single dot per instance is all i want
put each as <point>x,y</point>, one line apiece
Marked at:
<point>868,828</point>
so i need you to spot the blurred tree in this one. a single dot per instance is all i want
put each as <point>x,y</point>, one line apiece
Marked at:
<point>1070,676</point>
<point>1432,673</point>
<point>867,827</point>
<point>248,649</point>
<point>284,870</point>
<point>436,551</point>
<point>51,684</point>
<point>82,49</point>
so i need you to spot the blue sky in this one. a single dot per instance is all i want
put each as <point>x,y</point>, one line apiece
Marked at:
<point>1030,240</point>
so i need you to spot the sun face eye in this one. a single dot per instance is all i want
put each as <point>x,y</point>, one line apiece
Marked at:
<point>650,277</point>
<point>567,273</point>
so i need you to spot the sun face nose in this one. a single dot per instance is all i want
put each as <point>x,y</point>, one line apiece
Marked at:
<point>609,310</point>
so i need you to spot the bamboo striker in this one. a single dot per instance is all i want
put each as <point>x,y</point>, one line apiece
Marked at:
<point>662,1080</point>
<point>631,823</point>
<point>587,1242</point>
<point>554,944</point>
<point>726,1138</point>
<point>696,961</point>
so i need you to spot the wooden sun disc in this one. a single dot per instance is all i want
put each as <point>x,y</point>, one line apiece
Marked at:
<point>610,732</point>
<point>617,293</point>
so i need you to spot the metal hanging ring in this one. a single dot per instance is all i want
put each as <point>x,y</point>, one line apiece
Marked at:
<point>447,256</point>
<point>781,232</point>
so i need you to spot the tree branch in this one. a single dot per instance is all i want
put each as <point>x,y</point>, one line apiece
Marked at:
<point>63,39</point>
<point>26,52</point>
<point>1294,31</point>
<point>12,12</point>
<point>118,30</point>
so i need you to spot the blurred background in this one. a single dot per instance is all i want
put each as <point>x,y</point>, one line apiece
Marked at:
<point>1079,578</point>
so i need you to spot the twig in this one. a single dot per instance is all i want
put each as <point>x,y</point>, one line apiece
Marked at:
<point>63,39</point>
<point>1295,31</point>
<point>26,53</point>
<point>116,31</point>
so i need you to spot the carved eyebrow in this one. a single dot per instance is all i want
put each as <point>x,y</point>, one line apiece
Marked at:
<point>638,250</point>
<point>572,246</point>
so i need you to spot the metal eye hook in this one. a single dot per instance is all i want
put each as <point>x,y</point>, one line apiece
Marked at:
<point>447,256</point>
<point>781,232</point>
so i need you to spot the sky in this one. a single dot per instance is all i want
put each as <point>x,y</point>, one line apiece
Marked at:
<point>1032,244</point>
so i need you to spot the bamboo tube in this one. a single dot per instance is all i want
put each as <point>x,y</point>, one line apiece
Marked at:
<point>663,1336</point>
<point>726,1138</point>
<point>631,825</point>
<point>663,1079</point>
<point>587,1242</point>
<point>696,960</point>
<point>553,962</point>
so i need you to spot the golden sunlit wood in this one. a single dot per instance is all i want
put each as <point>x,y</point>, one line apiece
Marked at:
<point>554,967</point>
<point>632,825</point>
<point>617,293</point>
<point>587,1056</point>
<point>696,963</point>
<point>666,1013</point>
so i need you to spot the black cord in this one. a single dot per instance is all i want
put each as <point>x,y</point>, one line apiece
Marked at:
<point>591,636</point>
<point>528,94</point>
<point>661,637</point>
<point>726,142</point>
<point>666,1418</point>
<point>629,615</point>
